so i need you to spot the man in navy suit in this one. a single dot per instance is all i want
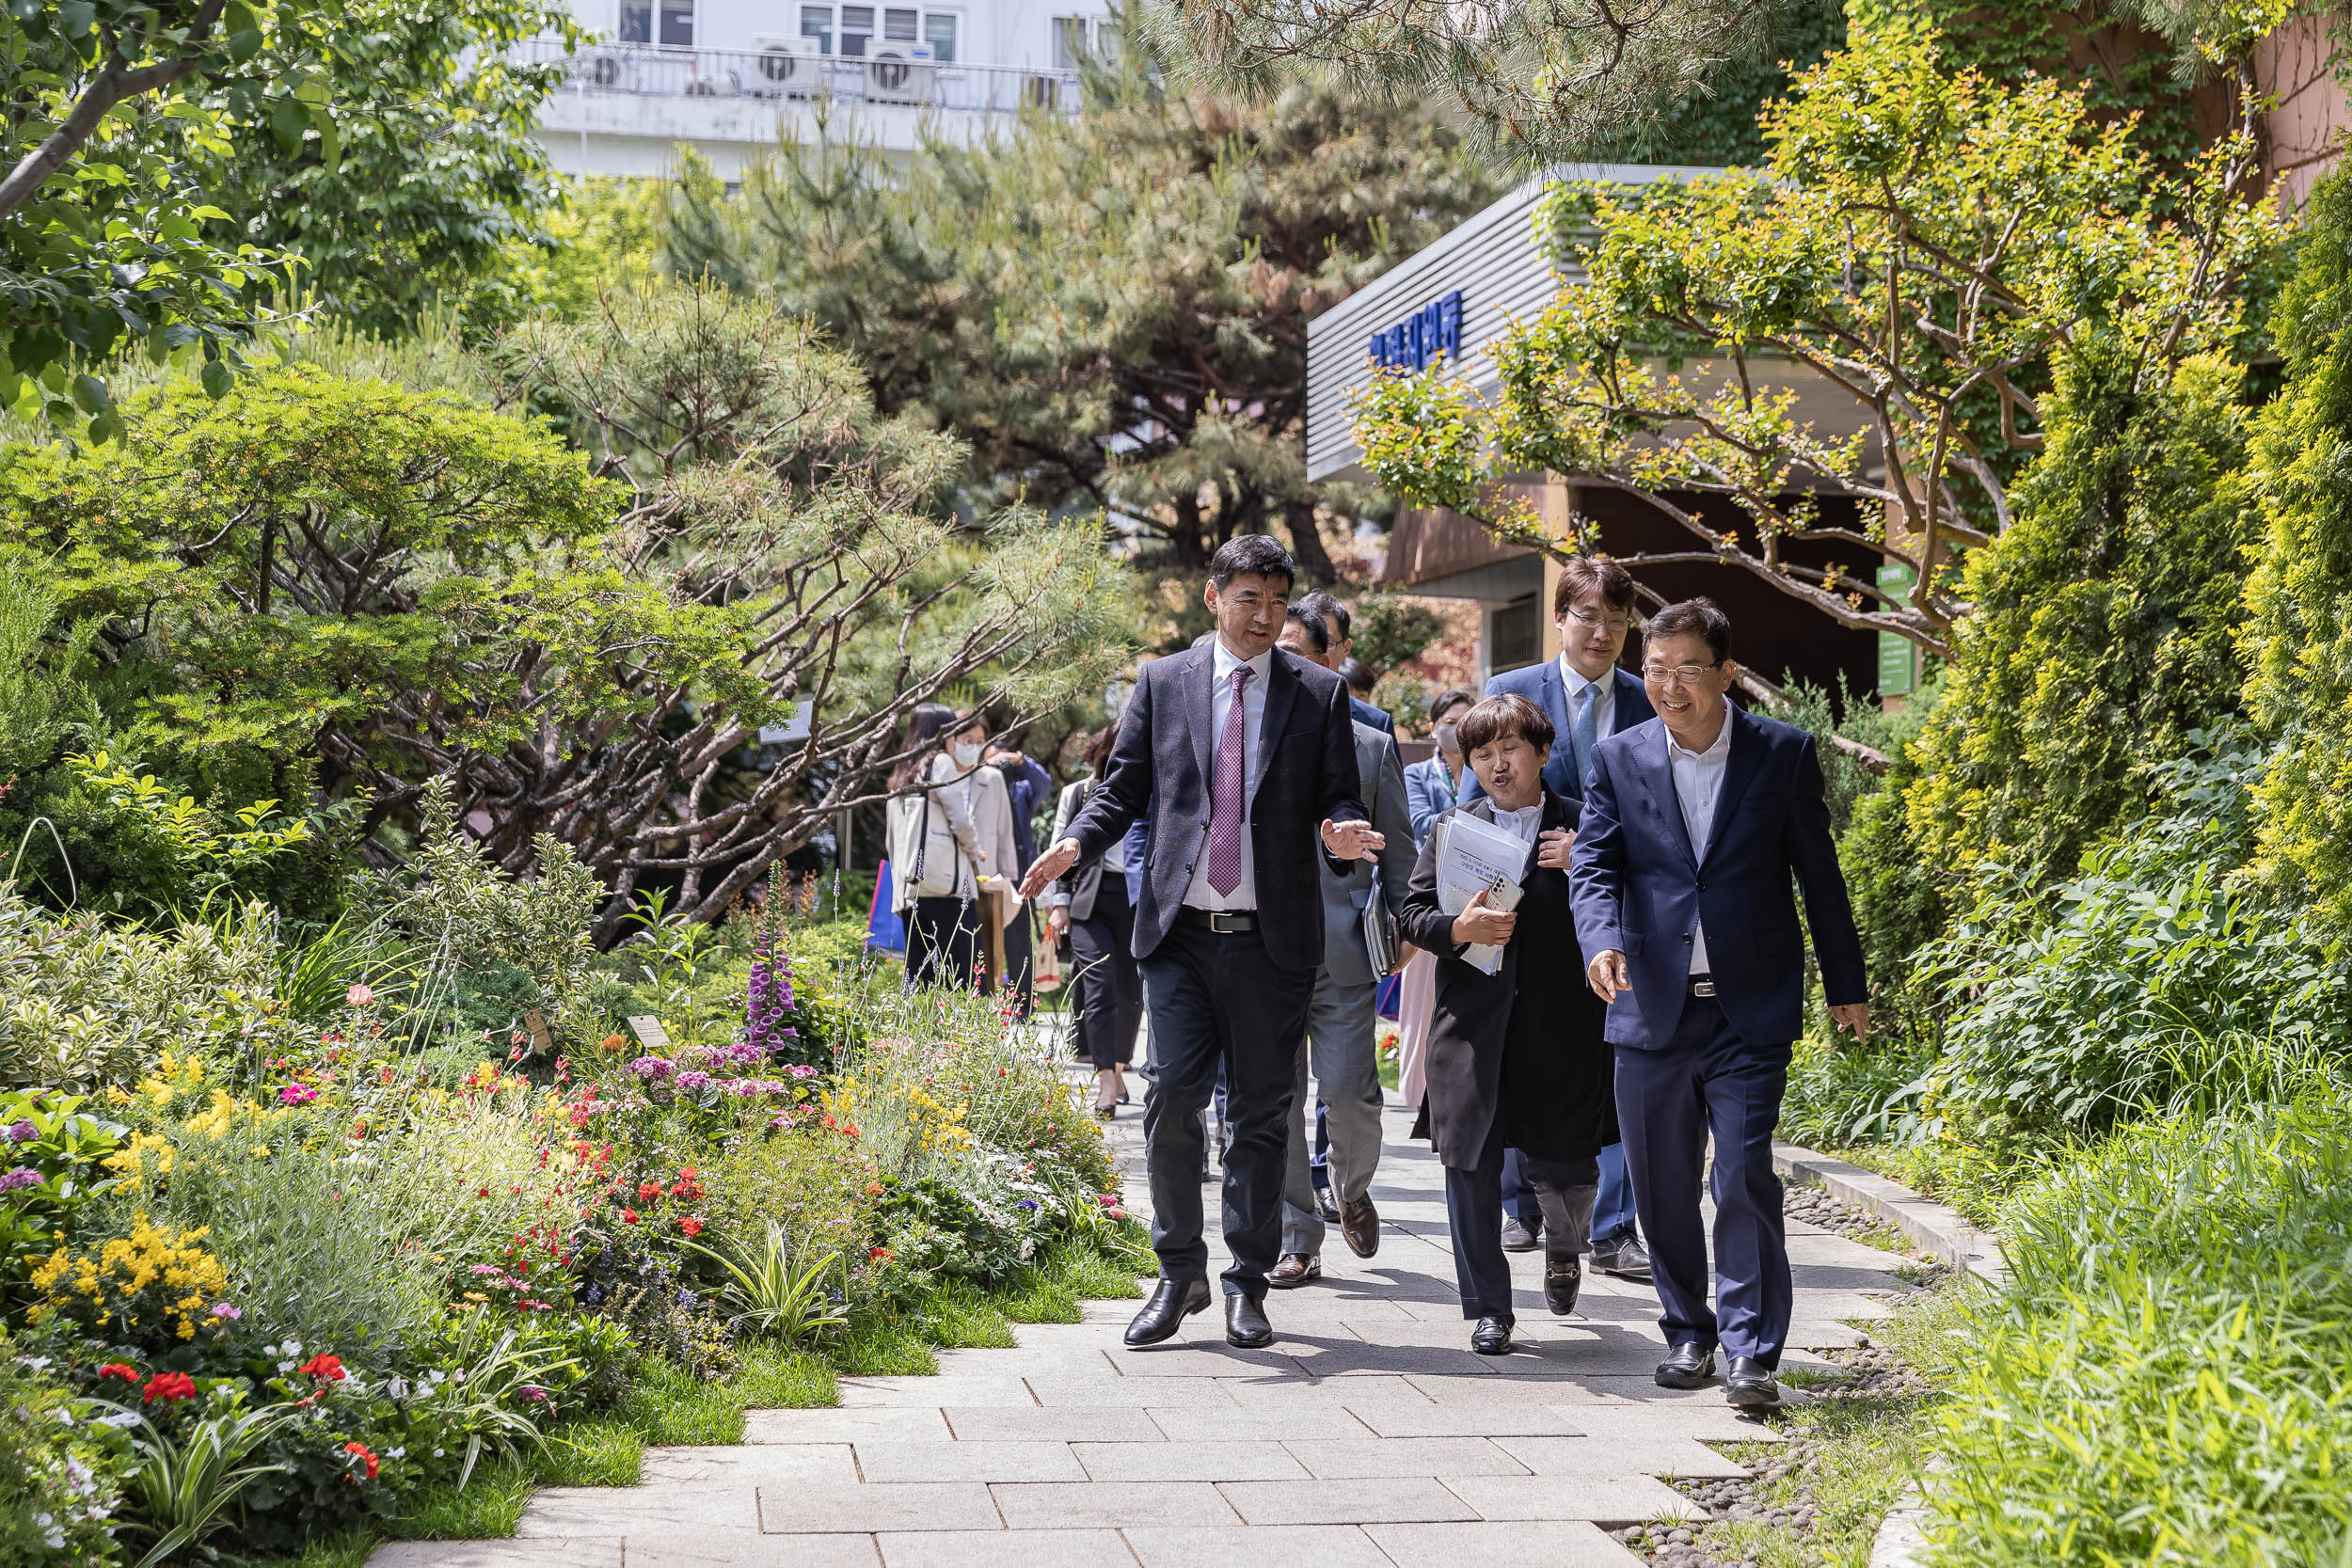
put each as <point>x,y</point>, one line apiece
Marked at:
<point>1695,824</point>
<point>1242,758</point>
<point>1588,699</point>
<point>1338,637</point>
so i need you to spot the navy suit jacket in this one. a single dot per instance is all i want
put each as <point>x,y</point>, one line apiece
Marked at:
<point>1364,713</point>
<point>1541,683</point>
<point>1159,772</point>
<point>1638,890</point>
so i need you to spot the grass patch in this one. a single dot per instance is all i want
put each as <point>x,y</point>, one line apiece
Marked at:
<point>489,1507</point>
<point>597,1452</point>
<point>960,1317</point>
<point>774,1378</point>
<point>1049,1290</point>
<point>349,1549</point>
<point>877,1345</point>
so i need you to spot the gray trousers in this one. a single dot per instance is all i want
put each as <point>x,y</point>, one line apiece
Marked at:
<point>1341,1020</point>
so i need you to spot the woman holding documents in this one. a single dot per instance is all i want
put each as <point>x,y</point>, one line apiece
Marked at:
<point>1515,1057</point>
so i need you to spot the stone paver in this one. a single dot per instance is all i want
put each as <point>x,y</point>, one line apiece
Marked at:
<point>1367,1437</point>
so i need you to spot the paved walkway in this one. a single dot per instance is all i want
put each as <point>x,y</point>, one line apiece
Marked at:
<point>1369,1436</point>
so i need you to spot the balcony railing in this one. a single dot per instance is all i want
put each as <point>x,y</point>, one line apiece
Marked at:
<point>784,76</point>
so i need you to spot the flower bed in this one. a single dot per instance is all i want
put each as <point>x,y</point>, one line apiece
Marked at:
<point>373,1269</point>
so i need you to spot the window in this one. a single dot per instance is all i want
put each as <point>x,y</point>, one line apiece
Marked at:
<point>1515,636</point>
<point>637,23</point>
<point>678,24</point>
<point>816,23</point>
<point>857,26</point>
<point>899,26</point>
<point>939,31</point>
<point>1069,42</point>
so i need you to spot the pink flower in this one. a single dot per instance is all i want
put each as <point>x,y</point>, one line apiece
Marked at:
<point>297,1094</point>
<point>360,995</point>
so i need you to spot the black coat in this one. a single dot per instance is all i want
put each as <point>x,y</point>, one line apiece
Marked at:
<point>1524,1042</point>
<point>1159,769</point>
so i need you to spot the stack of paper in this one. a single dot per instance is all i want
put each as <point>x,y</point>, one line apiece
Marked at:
<point>1476,856</point>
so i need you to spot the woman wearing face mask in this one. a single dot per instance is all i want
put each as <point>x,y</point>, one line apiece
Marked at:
<point>999,869</point>
<point>937,853</point>
<point>1430,789</point>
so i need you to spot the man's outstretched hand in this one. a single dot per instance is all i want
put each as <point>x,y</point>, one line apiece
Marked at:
<point>1351,841</point>
<point>1049,867</point>
<point>1854,1016</point>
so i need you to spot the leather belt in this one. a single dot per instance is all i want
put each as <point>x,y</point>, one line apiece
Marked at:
<point>1701,985</point>
<point>1220,921</point>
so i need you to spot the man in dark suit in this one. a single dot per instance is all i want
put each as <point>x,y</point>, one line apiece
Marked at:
<point>1339,636</point>
<point>1588,699</point>
<point>1695,824</point>
<point>1245,758</point>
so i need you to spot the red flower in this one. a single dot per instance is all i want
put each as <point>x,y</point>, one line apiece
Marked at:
<point>122,1369</point>
<point>325,1366</point>
<point>169,1386</point>
<point>366,1456</point>
<point>848,1130</point>
<point>647,1191</point>
<point>881,1254</point>
<point>692,1225</point>
<point>628,1216</point>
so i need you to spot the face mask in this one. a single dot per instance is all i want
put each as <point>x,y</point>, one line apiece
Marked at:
<point>1449,737</point>
<point>966,752</point>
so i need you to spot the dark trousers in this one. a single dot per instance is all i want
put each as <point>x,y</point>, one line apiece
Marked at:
<point>1706,1080</point>
<point>1217,1001</point>
<point>1613,1210</point>
<point>1473,1210</point>
<point>1107,988</point>
<point>942,943</point>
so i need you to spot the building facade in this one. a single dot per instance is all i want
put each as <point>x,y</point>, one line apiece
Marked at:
<point>730,77</point>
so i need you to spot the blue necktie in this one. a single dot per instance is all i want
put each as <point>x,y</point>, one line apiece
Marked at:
<point>1584,735</point>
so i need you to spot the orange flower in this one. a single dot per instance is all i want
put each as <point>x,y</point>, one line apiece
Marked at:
<point>615,1042</point>
<point>692,1225</point>
<point>364,1454</point>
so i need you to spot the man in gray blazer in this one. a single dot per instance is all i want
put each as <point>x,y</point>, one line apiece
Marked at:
<point>1342,1020</point>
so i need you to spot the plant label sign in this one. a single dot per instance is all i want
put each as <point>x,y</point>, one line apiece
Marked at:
<point>534,1021</point>
<point>649,1032</point>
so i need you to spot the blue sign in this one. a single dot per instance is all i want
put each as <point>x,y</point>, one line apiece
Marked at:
<point>1432,331</point>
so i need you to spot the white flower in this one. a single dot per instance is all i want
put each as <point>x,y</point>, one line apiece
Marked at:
<point>285,1366</point>
<point>54,1540</point>
<point>436,1453</point>
<point>401,1452</point>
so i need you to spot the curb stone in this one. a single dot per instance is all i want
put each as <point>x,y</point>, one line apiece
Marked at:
<point>1940,1233</point>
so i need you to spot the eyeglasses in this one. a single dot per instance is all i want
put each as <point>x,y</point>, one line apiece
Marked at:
<point>1678,674</point>
<point>1617,624</point>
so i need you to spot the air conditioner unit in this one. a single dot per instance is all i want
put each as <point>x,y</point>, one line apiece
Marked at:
<point>898,73</point>
<point>793,66</point>
<point>606,70</point>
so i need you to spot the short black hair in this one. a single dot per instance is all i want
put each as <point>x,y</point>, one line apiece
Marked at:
<point>1446,702</point>
<point>1692,618</point>
<point>1251,555</point>
<point>1334,614</point>
<point>1309,624</point>
<point>1357,674</point>
<point>1490,719</point>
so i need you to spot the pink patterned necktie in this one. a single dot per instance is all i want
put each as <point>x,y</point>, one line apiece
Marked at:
<point>1225,797</point>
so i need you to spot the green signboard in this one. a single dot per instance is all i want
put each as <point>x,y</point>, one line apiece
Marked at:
<point>1899,656</point>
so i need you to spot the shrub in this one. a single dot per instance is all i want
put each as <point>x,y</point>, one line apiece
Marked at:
<point>2161,1380</point>
<point>153,1287</point>
<point>2150,976</point>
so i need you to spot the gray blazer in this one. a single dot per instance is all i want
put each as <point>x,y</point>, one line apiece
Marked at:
<point>1073,891</point>
<point>1346,898</point>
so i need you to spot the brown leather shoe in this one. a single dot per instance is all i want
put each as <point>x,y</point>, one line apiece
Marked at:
<point>1360,1225</point>
<point>1293,1268</point>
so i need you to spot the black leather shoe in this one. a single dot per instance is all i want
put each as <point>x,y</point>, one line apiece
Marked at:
<point>1245,1324</point>
<point>1173,1301</point>
<point>1293,1268</point>
<point>1327,1206</point>
<point>1520,1236</point>
<point>1748,1384</point>
<point>1689,1365</point>
<point>1492,1336</point>
<point>1563,1273</point>
<point>1623,1259</point>
<point>1360,1226</point>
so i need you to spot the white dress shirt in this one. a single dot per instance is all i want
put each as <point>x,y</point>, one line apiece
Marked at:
<point>1604,701</point>
<point>1698,779</point>
<point>1200,895</point>
<point>1527,821</point>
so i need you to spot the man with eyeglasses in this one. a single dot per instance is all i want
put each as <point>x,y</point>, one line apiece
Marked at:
<point>1695,825</point>
<point>1587,698</point>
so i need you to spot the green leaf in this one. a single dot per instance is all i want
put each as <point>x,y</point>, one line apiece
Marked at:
<point>218,378</point>
<point>287,123</point>
<point>78,16</point>
<point>92,394</point>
